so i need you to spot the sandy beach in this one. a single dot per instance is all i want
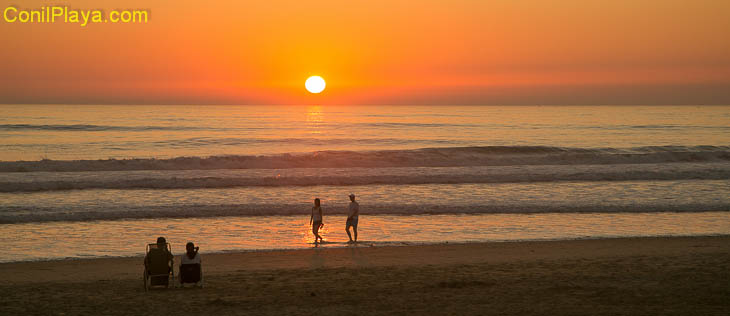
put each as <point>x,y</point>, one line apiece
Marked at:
<point>633,276</point>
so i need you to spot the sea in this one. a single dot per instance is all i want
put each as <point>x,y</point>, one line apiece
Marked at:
<point>91,181</point>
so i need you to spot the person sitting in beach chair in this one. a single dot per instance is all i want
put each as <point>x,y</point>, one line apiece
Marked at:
<point>191,270</point>
<point>158,263</point>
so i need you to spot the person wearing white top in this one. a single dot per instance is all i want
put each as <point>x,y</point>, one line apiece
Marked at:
<point>186,259</point>
<point>316,220</point>
<point>190,266</point>
<point>352,217</point>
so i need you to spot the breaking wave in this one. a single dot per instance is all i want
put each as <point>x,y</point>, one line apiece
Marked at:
<point>209,179</point>
<point>426,157</point>
<point>10,215</point>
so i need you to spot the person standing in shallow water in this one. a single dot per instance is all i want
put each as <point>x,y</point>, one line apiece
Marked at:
<point>316,220</point>
<point>353,214</point>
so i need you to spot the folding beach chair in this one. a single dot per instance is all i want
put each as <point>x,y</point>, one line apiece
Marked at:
<point>158,270</point>
<point>191,273</point>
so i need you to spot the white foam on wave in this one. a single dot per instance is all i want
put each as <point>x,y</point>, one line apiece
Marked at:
<point>572,197</point>
<point>426,157</point>
<point>203,179</point>
<point>205,211</point>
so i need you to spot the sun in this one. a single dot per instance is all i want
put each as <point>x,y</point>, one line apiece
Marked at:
<point>315,84</point>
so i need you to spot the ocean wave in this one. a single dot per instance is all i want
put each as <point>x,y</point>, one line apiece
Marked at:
<point>425,157</point>
<point>142,128</point>
<point>94,128</point>
<point>14,215</point>
<point>361,176</point>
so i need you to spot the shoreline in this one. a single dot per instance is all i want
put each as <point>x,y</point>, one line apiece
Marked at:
<point>371,244</point>
<point>127,238</point>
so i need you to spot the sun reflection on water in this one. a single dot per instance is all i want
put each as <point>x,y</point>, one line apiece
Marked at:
<point>315,119</point>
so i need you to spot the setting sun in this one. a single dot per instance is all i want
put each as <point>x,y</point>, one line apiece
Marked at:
<point>315,84</point>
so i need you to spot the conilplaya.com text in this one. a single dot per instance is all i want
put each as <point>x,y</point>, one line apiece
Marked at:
<point>65,14</point>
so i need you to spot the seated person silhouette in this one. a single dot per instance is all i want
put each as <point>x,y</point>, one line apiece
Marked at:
<point>190,267</point>
<point>158,262</point>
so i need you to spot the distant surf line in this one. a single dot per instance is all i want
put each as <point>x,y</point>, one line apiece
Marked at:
<point>424,157</point>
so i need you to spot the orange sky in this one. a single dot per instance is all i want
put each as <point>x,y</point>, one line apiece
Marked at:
<point>376,52</point>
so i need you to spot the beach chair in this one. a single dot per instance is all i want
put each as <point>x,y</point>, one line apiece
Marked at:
<point>191,273</point>
<point>158,271</point>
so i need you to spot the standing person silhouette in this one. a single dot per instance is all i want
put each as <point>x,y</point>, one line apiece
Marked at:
<point>353,214</point>
<point>316,220</point>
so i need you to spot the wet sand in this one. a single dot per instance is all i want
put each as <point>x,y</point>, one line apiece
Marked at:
<point>632,276</point>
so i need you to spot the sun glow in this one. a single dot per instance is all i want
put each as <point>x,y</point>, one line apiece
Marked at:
<point>315,84</point>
